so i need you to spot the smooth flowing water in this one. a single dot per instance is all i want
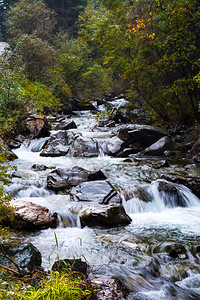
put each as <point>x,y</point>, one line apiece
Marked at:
<point>136,254</point>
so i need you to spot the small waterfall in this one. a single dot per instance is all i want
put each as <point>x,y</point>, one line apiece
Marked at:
<point>158,196</point>
<point>34,145</point>
<point>68,220</point>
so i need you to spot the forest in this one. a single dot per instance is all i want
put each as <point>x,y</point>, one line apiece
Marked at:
<point>148,50</point>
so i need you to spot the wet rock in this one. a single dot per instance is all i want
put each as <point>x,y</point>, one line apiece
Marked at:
<point>58,144</point>
<point>129,160</point>
<point>37,167</point>
<point>30,216</point>
<point>65,178</point>
<point>77,104</point>
<point>133,148</point>
<point>77,266</point>
<point>83,147</point>
<point>111,215</point>
<point>170,194</point>
<point>196,159</point>
<point>16,143</point>
<point>96,175</point>
<point>160,164</point>
<point>109,288</point>
<point>177,251</point>
<point>112,146</point>
<point>193,183</point>
<point>99,191</point>
<point>19,174</point>
<point>158,148</point>
<point>119,116</point>
<point>65,125</point>
<point>197,254</point>
<point>171,153</point>
<point>137,192</point>
<point>35,126</point>
<point>25,255</point>
<point>142,134</point>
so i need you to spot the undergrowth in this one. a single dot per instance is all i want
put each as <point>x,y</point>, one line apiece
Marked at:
<point>53,286</point>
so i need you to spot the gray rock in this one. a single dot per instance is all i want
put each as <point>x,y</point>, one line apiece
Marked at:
<point>99,191</point>
<point>193,183</point>
<point>25,255</point>
<point>103,215</point>
<point>66,124</point>
<point>108,288</point>
<point>58,144</point>
<point>158,148</point>
<point>66,178</point>
<point>83,147</point>
<point>142,134</point>
<point>16,143</point>
<point>160,164</point>
<point>137,192</point>
<point>112,146</point>
<point>37,167</point>
<point>170,194</point>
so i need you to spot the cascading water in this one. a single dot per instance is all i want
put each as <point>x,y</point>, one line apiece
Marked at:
<point>137,254</point>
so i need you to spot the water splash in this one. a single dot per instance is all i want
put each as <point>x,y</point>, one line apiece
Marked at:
<point>158,196</point>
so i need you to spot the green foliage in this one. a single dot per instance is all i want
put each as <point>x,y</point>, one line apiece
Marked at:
<point>5,207</point>
<point>29,26</point>
<point>67,13</point>
<point>28,17</point>
<point>103,115</point>
<point>12,95</point>
<point>39,97</point>
<point>55,286</point>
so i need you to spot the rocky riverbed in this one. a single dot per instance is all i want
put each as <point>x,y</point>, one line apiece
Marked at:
<point>122,197</point>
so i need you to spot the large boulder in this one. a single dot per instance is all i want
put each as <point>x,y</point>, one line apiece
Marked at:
<point>65,178</point>
<point>99,191</point>
<point>35,126</point>
<point>192,182</point>
<point>159,147</point>
<point>84,147</point>
<point>142,134</point>
<point>25,255</point>
<point>103,215</point>
<point>58,144</point>
<point>30,216</point>
<point>112,146</point>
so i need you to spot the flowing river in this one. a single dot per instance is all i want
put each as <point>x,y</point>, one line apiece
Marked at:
<point>136,254</point>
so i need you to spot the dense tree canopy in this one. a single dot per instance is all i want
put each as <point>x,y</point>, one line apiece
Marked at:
<point>149,50</point>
